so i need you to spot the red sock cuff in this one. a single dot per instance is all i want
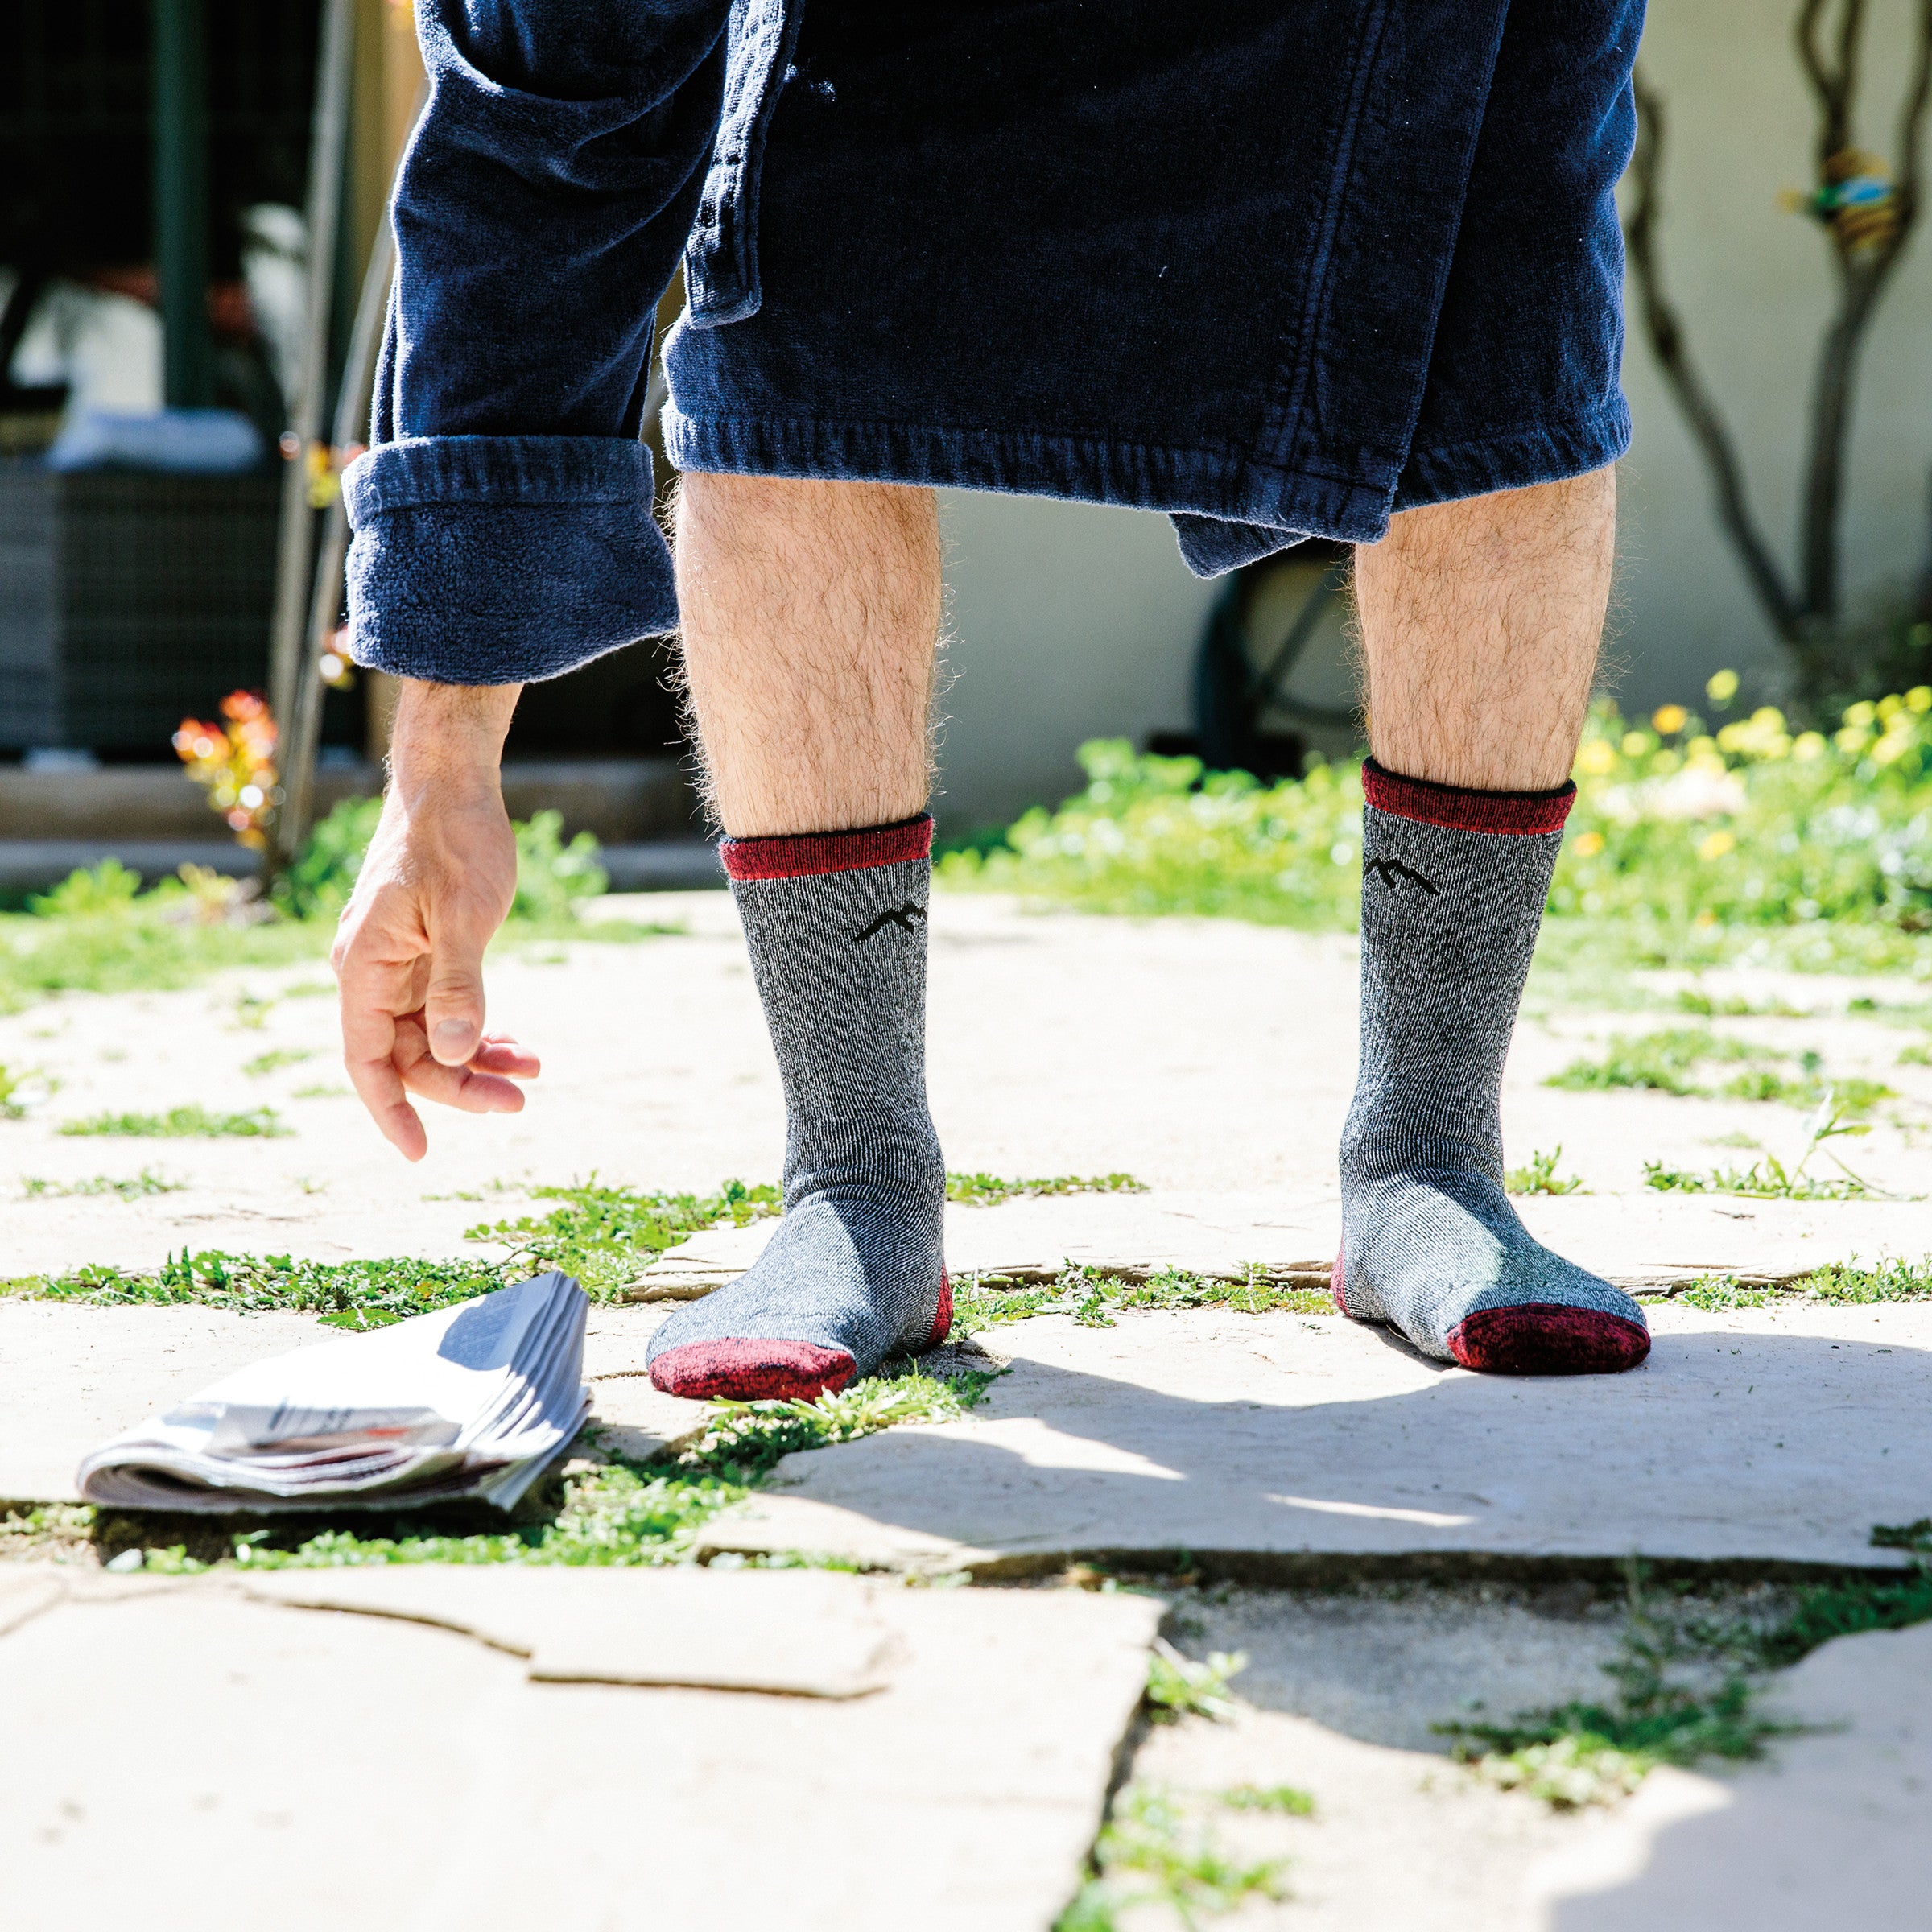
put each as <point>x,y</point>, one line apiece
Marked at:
<point>1461,810</point>
<point>808,855</point>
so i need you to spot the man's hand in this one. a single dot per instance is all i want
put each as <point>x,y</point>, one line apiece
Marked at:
<point>437,881</point>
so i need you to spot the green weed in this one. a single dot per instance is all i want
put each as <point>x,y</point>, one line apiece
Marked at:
<point>747,1439</point>
<point>346,1295</point>
<point>1765,1181</point>
<point>987,1189</point>
<point>1657,1062</point>
<point>1540,1176</point>
<point>616,1515</point>
<point>1581,1752</point>
<point>1288,1800</point>
<point>1148,1854</point>
<point>1841,1285</point>
<point>1756,845</point>
<point>321,1090</point>
<point>276,1058</point>
<point>605,1236</point>
<point>194,1122</point>
<point>1088,1294</point>
<point>1585,1753</point>
<point>1184,1687</point>
<point>128,1188</point>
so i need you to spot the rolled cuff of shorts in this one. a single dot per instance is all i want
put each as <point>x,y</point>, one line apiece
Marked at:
<point>502,559</point>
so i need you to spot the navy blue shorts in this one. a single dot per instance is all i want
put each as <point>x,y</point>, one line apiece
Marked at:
<point>1275,267</point>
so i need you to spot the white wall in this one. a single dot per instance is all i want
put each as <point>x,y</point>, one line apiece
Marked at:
<point>1069,621</point>
<point>1754,286</point>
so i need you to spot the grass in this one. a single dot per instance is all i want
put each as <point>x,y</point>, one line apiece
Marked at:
<point>1669,1061</point>
<point>192,1122</point>
<point>1838,1284</point>
<point>275,1058</point>
<point>1287,1801</point>
<point>987,1189</point>
<point>606,1235</point>
<point>1687,1691</point>
<point>99,931</point>
<point>1151,1852</point>
<point>1540,1176</point>
<point>346,1295</point>
<point>1185,1686</point>
<point>1090,1295</point>
<point>1148,1853</point>
<point>125,1187</point>
<point>1766,1180</point>
<point>1665,1062</point>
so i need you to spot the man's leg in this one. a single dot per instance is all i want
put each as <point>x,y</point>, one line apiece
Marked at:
<point>1481,623</point>
<point>812,617</point>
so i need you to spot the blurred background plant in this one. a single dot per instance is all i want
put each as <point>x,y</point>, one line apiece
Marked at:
<point>1691,841</point>
<point>234,763</point>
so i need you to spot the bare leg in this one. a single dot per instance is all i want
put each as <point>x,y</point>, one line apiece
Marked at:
<point>1481,623</point>
<point>812,618</point>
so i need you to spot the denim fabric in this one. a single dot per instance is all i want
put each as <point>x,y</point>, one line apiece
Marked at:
<point>1276,268</point>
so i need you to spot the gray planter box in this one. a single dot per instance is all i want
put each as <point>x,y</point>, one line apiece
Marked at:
<point>128,601</point>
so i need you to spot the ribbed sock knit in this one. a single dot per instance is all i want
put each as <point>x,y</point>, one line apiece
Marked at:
<point>835,924</point>
<point>1453,885</point>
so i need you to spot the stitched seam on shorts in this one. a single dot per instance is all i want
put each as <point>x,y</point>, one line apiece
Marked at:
<point>1082,440</point>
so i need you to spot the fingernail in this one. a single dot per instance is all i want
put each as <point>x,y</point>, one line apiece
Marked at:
<point>451,1032</point>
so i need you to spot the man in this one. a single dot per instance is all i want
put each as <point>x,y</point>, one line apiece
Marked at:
<point>1276,268</point>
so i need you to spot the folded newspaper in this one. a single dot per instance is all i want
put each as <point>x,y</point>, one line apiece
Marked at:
<point>473,1401</point>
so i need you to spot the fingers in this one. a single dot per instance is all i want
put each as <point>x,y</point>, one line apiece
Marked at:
<point>452,1009</point>
<point>373,989</point>
<point>471,1089</point>
<point>500,1054</point>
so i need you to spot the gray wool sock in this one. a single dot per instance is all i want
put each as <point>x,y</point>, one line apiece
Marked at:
<point>1453,885</point>
<point>835,924</point>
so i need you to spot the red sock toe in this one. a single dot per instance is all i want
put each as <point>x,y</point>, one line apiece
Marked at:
<point>747,1371</point>
<point>1542,1337</point>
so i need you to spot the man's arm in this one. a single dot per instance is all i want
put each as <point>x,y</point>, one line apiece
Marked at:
<point>438,879</point>
<point>502,515</point>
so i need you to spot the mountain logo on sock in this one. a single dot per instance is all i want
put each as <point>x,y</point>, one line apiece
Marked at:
<point>1390,870</point>
<point>903,917</point>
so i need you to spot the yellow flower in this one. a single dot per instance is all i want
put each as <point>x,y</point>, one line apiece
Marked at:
<point>1717,845</point>
<point>1862,715</point>
<point>1588,844</point>
<point>1811,745</point>
<point>1596,758</point>
<point>1853,739</point>
<point>1890,749</point>
<point>1919,698</point>
<point>1722,687</point>
<point>1888,708</point>
<point>1634,743</point>
<point>1668,718</point>
<point>1701,747</point>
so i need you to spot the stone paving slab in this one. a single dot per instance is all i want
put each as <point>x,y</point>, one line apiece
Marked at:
<point>179,1756</point>
<point>1654,1242</point>
<point>77,1375</point>
<point>1830,1829</point>
<point>802,1633</point>
<point>1203,1057</point>
<point>1295,1446</point>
